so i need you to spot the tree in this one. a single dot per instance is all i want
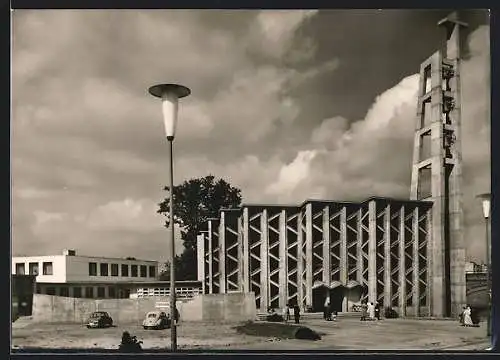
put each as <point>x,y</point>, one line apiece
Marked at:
<point>195,201</point>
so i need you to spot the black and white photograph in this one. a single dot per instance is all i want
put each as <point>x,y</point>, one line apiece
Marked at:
<point>188,180</point>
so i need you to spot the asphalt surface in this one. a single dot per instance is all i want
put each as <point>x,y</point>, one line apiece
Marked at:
<point>346,333</point>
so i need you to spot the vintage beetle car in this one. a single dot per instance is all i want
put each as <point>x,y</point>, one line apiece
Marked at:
<point>156,320</point>
<point>99,319</point>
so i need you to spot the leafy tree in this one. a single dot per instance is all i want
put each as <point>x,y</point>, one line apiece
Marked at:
<point>195,201</point>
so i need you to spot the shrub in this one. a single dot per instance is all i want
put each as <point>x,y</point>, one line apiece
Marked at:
<point>390,313</point>
<point>274,318</point>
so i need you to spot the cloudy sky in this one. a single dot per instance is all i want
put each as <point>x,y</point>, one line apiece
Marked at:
<point>286,105</point>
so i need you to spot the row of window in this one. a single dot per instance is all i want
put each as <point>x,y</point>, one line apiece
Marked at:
<point>183,293</point>
<point>135,270</point>
<point>33,268</point>
<point>87,292</point>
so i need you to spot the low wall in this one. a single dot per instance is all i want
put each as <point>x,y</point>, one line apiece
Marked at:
<point>214,307</point>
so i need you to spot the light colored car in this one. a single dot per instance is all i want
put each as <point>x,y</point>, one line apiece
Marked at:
<point>156,320</point>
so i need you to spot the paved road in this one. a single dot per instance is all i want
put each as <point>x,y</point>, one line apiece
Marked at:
<point>348,333</point>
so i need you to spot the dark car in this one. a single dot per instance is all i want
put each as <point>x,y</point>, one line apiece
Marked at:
<point>99,319</point>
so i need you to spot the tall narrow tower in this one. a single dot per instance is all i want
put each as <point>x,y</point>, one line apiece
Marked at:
<point>437,170</point>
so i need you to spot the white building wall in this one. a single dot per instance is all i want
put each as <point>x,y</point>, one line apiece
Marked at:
<point>58,267</point>
<point>74,269</point>
<point>77,269</point>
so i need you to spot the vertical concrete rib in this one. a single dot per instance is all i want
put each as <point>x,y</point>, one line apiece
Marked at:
<point>416,259</point>
<point>326,246</point>
<point>246,252</point>
<point>210,260</point>
<point>359,246</point>
<point>372,251</point>
<point>222,253</point>
<point>343,245</point>
<point>241,265</point>
<point>200,253</point>
<point>429,255</point>
<point>402,262</point>
<point>344,267</point>
<point>387,257</point>
<point>455,200</point>
<point>300,263</point>
<point>309,256</point>
<point>283,283</point>
<point>264,270</point>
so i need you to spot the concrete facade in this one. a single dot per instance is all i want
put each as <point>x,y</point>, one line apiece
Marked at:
<point>220,307</point>
<point>436,173</point>
<point>305,253</point>
<point>408,254</point>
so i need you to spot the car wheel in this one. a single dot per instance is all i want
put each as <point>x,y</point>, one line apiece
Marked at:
<point>145,327</point>
<point>88,326</point>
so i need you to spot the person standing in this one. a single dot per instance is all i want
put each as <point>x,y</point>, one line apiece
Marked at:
<point>467,317</point>
<point>296,313</point>
<point>364,311</point>
<point>286,312</point>
<point>377,310</point>
<point>326,308</point>
<point>371,311</point>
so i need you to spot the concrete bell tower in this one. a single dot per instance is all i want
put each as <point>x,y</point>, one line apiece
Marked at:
<point>437,169</point>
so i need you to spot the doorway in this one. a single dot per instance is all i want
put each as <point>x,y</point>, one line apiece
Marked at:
<point>337,298</point>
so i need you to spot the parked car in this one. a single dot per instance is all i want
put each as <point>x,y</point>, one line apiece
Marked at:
<point>99,319</point>
<point>156,320</point>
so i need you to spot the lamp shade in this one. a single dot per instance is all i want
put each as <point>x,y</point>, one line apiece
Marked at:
<point>170,95</point>
<point>486,200</point>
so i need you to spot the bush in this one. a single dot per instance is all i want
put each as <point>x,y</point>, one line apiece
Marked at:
<point>280,331</point>
<point>274,318</point>
<point>390,313</point>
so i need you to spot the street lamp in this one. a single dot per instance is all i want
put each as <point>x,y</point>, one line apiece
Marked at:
<point>170,95</point>
<point>486,202</point>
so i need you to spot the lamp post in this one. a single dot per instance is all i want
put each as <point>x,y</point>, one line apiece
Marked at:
<point>486,202</point>
<point>170,95</point>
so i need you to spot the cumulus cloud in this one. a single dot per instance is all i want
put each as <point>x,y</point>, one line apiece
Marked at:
<point>88,142</point>
<point>86,133</point>
<point>373,155</point>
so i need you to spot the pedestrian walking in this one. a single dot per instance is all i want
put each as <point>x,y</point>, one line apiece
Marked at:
<point>296,313</point>
<point>364,311</point>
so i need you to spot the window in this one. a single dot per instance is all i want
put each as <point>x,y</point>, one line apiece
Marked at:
<point>134,271</point>
<point>114,269</point>
<point>152,271</point>
<point>104,269</point>
<point>77,292</point>
<point>89,292</point>
<point>112,292</point>
<point>20,269</point>
<point>64,291</point>
<point>50,291</point>
<point>47,268</point>
<point>101,292</point>
<point>92,269</point>
<point>144,271</point>
<point>33,268</point>
<point>124,269</point>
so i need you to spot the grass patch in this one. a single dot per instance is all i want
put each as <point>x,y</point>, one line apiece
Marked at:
<point>277,330</point>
